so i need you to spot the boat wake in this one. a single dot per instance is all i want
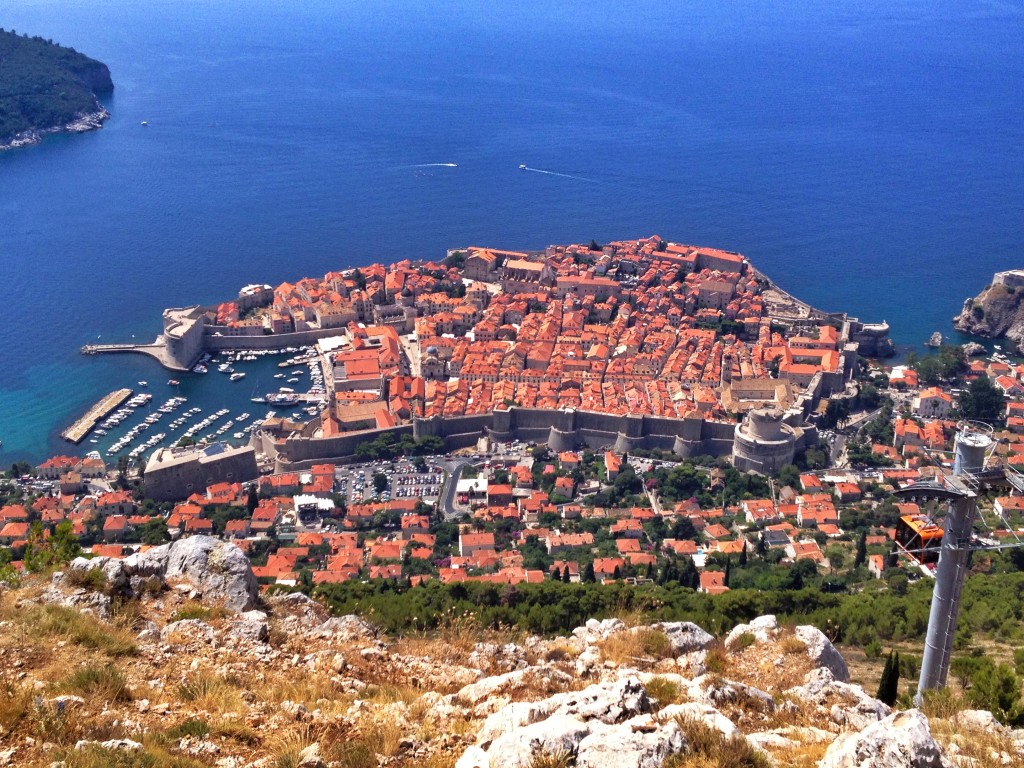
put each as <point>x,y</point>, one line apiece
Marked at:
<point>432,165</point>
<point>554,173</point>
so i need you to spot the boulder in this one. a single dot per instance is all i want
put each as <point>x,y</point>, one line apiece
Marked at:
<point>152,562</point>
<point>979,720</point>
<point>112,568</point>
<point>557,735</point>
<point>848,704</point>
<point>307,613</point>
<point>219,569</point>
<point>249,627</point>
<point>473,757</point>
<point>609,702</point>
<point>705,713</point>
<point>531,677</point>
<point>626,746</point>
<point>595,631</point>
<point>188,630</point>
<point>822,653</point>
<point>346,628</point>
<point>715,690</point>
<point>763,628</point>
<point>685,636</point>
<point>901,740</point>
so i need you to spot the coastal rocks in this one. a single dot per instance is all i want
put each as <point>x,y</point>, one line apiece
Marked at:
<point>934,341</point>
<point>901,740</point>
<point>973,349</point>
<point>221,570</point>
<point>997,312</point>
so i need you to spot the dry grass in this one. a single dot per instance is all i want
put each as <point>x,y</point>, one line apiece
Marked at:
<point>791,644</point>
<point>985,748</point>
<point>455,641</point>
<point>80,628</point>
<point>196,610</point>
<point>91,579</point>
<point>641,645</point>
<point>212,693</point>
<point>716,658</point>
<point>557,760</point>
<point>710,748</point>
<point>102,683</point>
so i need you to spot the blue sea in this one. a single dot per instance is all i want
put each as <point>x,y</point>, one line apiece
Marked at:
<point>866,154</point>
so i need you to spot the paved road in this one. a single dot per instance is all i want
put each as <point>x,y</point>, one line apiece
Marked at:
<point>447,500</point>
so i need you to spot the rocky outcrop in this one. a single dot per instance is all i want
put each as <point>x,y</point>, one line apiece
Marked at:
<point>218,570</point>
<point>902,740</point>
<point>995,313</point>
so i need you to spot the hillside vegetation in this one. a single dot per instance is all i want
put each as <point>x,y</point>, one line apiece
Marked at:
<point>44,85</point>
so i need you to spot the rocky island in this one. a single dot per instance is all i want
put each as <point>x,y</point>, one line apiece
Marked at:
<point>46,88</point>
<point>997,312</point>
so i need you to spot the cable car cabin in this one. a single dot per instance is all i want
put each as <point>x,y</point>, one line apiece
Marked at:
<point>920,536</point>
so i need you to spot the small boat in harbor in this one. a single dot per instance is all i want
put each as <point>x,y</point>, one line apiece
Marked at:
<point>236,376</point>
<point>173,382</point>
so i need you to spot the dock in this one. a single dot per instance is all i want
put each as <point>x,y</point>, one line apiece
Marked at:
<point>77,431</point>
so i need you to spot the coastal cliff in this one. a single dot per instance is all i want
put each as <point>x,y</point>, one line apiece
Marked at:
<point>995,313</point>
<point>46,88</point>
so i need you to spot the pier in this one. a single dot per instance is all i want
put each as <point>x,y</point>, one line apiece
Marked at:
<point>77,431</point>
<point>157,349</point>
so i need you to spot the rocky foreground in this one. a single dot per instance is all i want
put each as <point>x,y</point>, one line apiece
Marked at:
<point>169,658</point>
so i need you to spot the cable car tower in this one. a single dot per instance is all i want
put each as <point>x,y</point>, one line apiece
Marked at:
<point>973,446</point>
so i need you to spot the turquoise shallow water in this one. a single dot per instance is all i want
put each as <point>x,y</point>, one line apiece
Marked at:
<point>866,155</point>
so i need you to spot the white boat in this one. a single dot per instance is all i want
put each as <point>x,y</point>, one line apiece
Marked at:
<point>143,383</point>
<point>236,376</point>
<point>522,166</point>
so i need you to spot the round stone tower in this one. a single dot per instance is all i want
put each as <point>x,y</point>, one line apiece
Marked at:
<point>763,442</point>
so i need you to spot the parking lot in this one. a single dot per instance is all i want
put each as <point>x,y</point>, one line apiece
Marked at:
<point>355,482</point>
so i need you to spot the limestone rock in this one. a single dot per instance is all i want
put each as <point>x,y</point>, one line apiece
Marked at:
<point>188,630</point>
<point>763,628</point>
<point>126,745</point>
<point>346,628</point>
<point>595,631</point>
<point>558,734</point>
<point>821,651</point>
<point>685,636</point>
<point>474,757</point>
<point>901,740</point>
<point>979,719</point>
<point>306,613</point>
<point>848,704</point>
<point>220,569</point>
<point>711,689</point>
<point>531,677</point>
<point>705,713</point>
<point>625,746</point>
<point>310,758</point>
<point>249,627</point>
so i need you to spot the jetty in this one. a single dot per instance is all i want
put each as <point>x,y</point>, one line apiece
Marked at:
<point>77,431</point>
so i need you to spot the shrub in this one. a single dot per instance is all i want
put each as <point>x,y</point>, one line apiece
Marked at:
<point>745,640</point>
<point>91,579</point>
<point>103,682</point>
<point>192,727</point>
<point>195,610</point>
<point>664,690</point>
<point>710,748</point>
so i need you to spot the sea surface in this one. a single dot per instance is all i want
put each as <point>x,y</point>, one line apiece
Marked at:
<point>866,154</point>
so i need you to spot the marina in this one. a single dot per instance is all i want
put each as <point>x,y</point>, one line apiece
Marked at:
<point>202,409</point>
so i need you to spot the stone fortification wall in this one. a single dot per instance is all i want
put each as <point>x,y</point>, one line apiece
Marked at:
<point>561,430</point>
<point>212,342</point>
<point>179,480</point>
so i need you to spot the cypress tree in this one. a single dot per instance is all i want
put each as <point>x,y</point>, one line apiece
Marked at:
<point>743,555</point>
<point>862,550</point>
<point>728,570</point>
<point>565,575</point>
<point>888,684</point>
<point>588,574</point>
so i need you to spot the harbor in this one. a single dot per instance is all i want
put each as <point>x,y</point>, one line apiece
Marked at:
<point>225,397</point>
<point>77,431</point>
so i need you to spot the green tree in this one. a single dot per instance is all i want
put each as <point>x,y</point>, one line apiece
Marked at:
<point>380,482</point>
<point>982,401</point>
<point>42,554</point>
<point>153,532</point>
<point>888,685</point>
<point>862,550</point>
<point>253,499</point>
<point>589,577</point>
<point>996,688</point>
